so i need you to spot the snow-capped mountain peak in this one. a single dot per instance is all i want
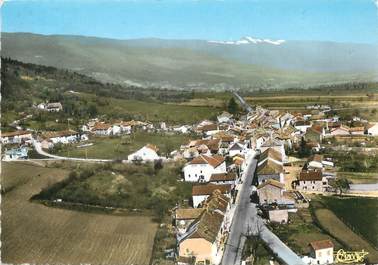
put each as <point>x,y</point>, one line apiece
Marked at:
<point>249,40</point>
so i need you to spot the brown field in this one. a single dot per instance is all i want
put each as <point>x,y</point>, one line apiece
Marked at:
<point>207,102</point>
<point>330,222</point>
<point>34,233</point>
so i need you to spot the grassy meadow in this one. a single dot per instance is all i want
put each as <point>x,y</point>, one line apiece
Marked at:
<point>350,220</point>
<point>120,147</point>
<point>359,213</point>
<point>300,232</point>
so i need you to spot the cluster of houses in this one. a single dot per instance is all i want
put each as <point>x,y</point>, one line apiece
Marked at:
<point>202,232</point>
<point>216,161</point>
<point>18,142</point>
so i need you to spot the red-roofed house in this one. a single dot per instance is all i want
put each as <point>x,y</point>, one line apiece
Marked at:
<point>322,251</point>
<point>315,133</point>
<point>15,137</point>
<point>202,167</point>
<point>312,180</point>
<point>201,192</point>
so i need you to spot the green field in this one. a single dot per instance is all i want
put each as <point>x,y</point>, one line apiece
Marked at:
<point>360,177</point>
<point>300,231</point>
<point>120,147</point>
<point>172,113</point>
<point>358,213</point>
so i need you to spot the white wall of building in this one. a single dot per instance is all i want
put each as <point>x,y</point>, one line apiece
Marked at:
<point>144,154</point>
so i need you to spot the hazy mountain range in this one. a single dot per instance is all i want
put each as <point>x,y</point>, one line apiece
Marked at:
<point>246,63</point>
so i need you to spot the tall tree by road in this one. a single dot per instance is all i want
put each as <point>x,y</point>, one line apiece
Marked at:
<point>232,106</point>
<point>341,185</point>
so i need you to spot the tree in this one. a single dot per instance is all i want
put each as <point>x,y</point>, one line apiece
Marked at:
<point>92,110</point>
<point>304,150</point>
<point>158,164</point>
<point>341,185</point>
<point>232,106</point>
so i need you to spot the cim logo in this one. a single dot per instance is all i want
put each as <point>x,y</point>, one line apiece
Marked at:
<point>342,256</point>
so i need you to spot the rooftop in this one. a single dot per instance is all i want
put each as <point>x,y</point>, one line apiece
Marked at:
<point>188,213</point>
<point>322,244</point>
<point>269,167</point>
<point>53,134</point>
<point>16,133</point>
<point>210,221</point>
<point>214,161</point>
<point>208,189</point>
<point>222,177</point>
<point>272,182</point>
<point>271,153</point>
<point>311,175</point>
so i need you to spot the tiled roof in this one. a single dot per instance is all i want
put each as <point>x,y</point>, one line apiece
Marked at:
<point>101,126</point>
<point>272,182</point>
<point>356,129</point>
<point>132,123</point>
<point>310,175</point>
<point>210,221</point>
<point>322,244</point>
<point>16,133</point>
<point>53,134</point>
<point>208,189</point>
<point>214,161</point>
<point>271,142</point>
<point>216,201</point>
<point>316,128</point>
<point>271,153</point>
<point>212,144</point>
<point>208,226</point>
<point>269,167</point>
<point>189,213</point>
<point>224,137</point>
<point>236,146</point>
<point>222,177</point>
<point>208,127</point>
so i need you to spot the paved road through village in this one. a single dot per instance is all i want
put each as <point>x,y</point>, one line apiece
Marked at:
<point>239,224</point>
<point>246,221</point>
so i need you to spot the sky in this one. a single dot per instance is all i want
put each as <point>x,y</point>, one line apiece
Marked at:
<point>322,20</point>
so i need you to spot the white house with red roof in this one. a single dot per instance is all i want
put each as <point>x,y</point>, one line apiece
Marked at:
<point>202,167</point>
<point>146,153</point>
<point>321,252</point>
<point>16,137</point>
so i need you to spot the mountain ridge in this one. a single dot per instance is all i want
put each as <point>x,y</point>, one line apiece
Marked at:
<point>198,63</point>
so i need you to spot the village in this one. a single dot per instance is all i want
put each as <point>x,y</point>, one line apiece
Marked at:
<point>268,160</point>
